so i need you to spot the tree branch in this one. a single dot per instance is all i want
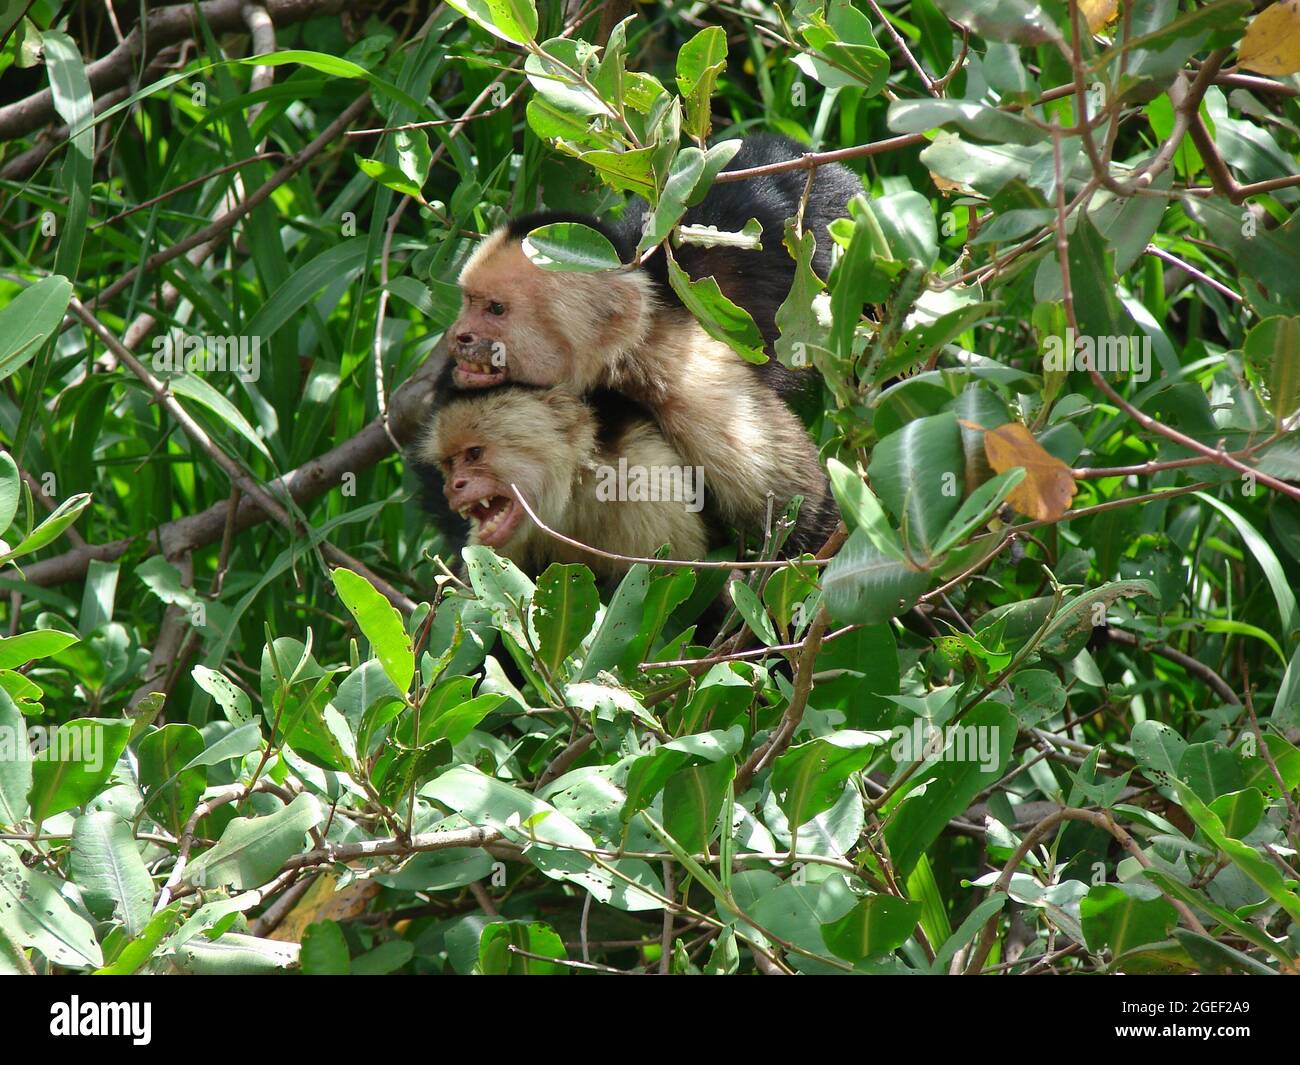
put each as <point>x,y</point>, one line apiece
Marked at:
<point>165,26</point>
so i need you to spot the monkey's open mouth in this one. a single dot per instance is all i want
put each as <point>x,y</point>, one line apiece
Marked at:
<point>477,374</point>
<point>494,519</point>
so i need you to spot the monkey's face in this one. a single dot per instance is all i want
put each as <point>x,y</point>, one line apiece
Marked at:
<point>490,443</point>
<point>475,488</point>
<point>506,331</point>
<point>521,323</point>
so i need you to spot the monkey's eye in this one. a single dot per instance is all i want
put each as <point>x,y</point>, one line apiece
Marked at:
<point>496,308</point>
<point>473,453</point>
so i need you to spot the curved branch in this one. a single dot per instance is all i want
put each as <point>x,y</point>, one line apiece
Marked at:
<point>165,26</point>
<point>410,404</point>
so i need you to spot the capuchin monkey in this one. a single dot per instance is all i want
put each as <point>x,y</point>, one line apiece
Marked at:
<point>596,470</point>
<point>627,331</point>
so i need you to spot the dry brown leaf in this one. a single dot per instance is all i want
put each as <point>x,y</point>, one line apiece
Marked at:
<point>323,903</point>
<point>945,186</point>
<point>1048,487</point>
<point>1098,12</point>
<point>1272,41</point>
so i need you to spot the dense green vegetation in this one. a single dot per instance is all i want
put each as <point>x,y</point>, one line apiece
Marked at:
<point>1035,708</point>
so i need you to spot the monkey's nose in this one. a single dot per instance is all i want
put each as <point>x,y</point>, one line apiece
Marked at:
<point>459,485</point>
<point>466,338</point>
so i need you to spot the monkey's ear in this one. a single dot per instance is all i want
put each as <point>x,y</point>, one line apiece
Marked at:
<point>627,308</point>
<point>574,417</point>
<point>563,403</point>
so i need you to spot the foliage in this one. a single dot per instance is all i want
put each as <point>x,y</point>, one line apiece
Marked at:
<point>1037,710</point>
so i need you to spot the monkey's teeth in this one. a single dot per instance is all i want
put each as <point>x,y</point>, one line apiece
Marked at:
<point>485,502</point>
<point>463,512</point>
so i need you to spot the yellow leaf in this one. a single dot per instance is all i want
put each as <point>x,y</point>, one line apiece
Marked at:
<point>1098,12</point>
<point>323,903</point>
<point>1048,487</point>
<point>1272,41</point>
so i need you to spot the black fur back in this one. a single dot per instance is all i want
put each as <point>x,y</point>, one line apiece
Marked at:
<point>758,281</point>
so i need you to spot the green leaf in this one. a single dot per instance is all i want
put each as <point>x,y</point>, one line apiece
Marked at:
<point>570,246</point>
<point>919,473</point>
<point>564,610</point>
<point>140,950</point>
<point>200,391</point>
<point>683,176</point>
<point>970,762</point>
<point>391,177</point>
<point>386,958</point>
<point>15,764</point>
<point>1258,868</point>
<point>75,103</point>
<point>455,723</point>
<point>1014,21</point>
<point>1212,956</point>
<point>18,650</point>
<point>808,779</point>
<point>534,937</point>
<point>11,489</point>
<point>47,531</point>
<point>907,221</point>
<point>845,53</point>
<point>861,509</point>
<point>969,929</point>
<point>503,589</point>
<point>1239,811</point>
<point>325,950</point>
<point>693,801</point>
<point>699,63</point>
<point>80,757</point>
<point>481,800</point>
<point>413,155</point>
<point>343,260</point>
<point>380,623</point>
<point>1210,770</point>
<point>252,849</point>
<point>235,955</point>
<point>511,20</point>
<point>721,319</point>
<point>1272,345</point>
<point>1260,550</point>
<point>233,700</point>
<point>979,120</point>
<point>875,926</point>
<point>1286,706</point>
<point>106,866</point>
<point>752,611</point>
<point>27,321</point>
<point>35,914</point>
<point>1124,916</point>
<point>1159,750</point>
<point>620,624</point>
<point>865,587</point>
<point>171,787</point>
<point>978,508</point>
<point>1197,899</point>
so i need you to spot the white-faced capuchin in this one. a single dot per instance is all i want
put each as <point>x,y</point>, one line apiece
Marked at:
<point>627,331</point>
<point>596,469</point>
